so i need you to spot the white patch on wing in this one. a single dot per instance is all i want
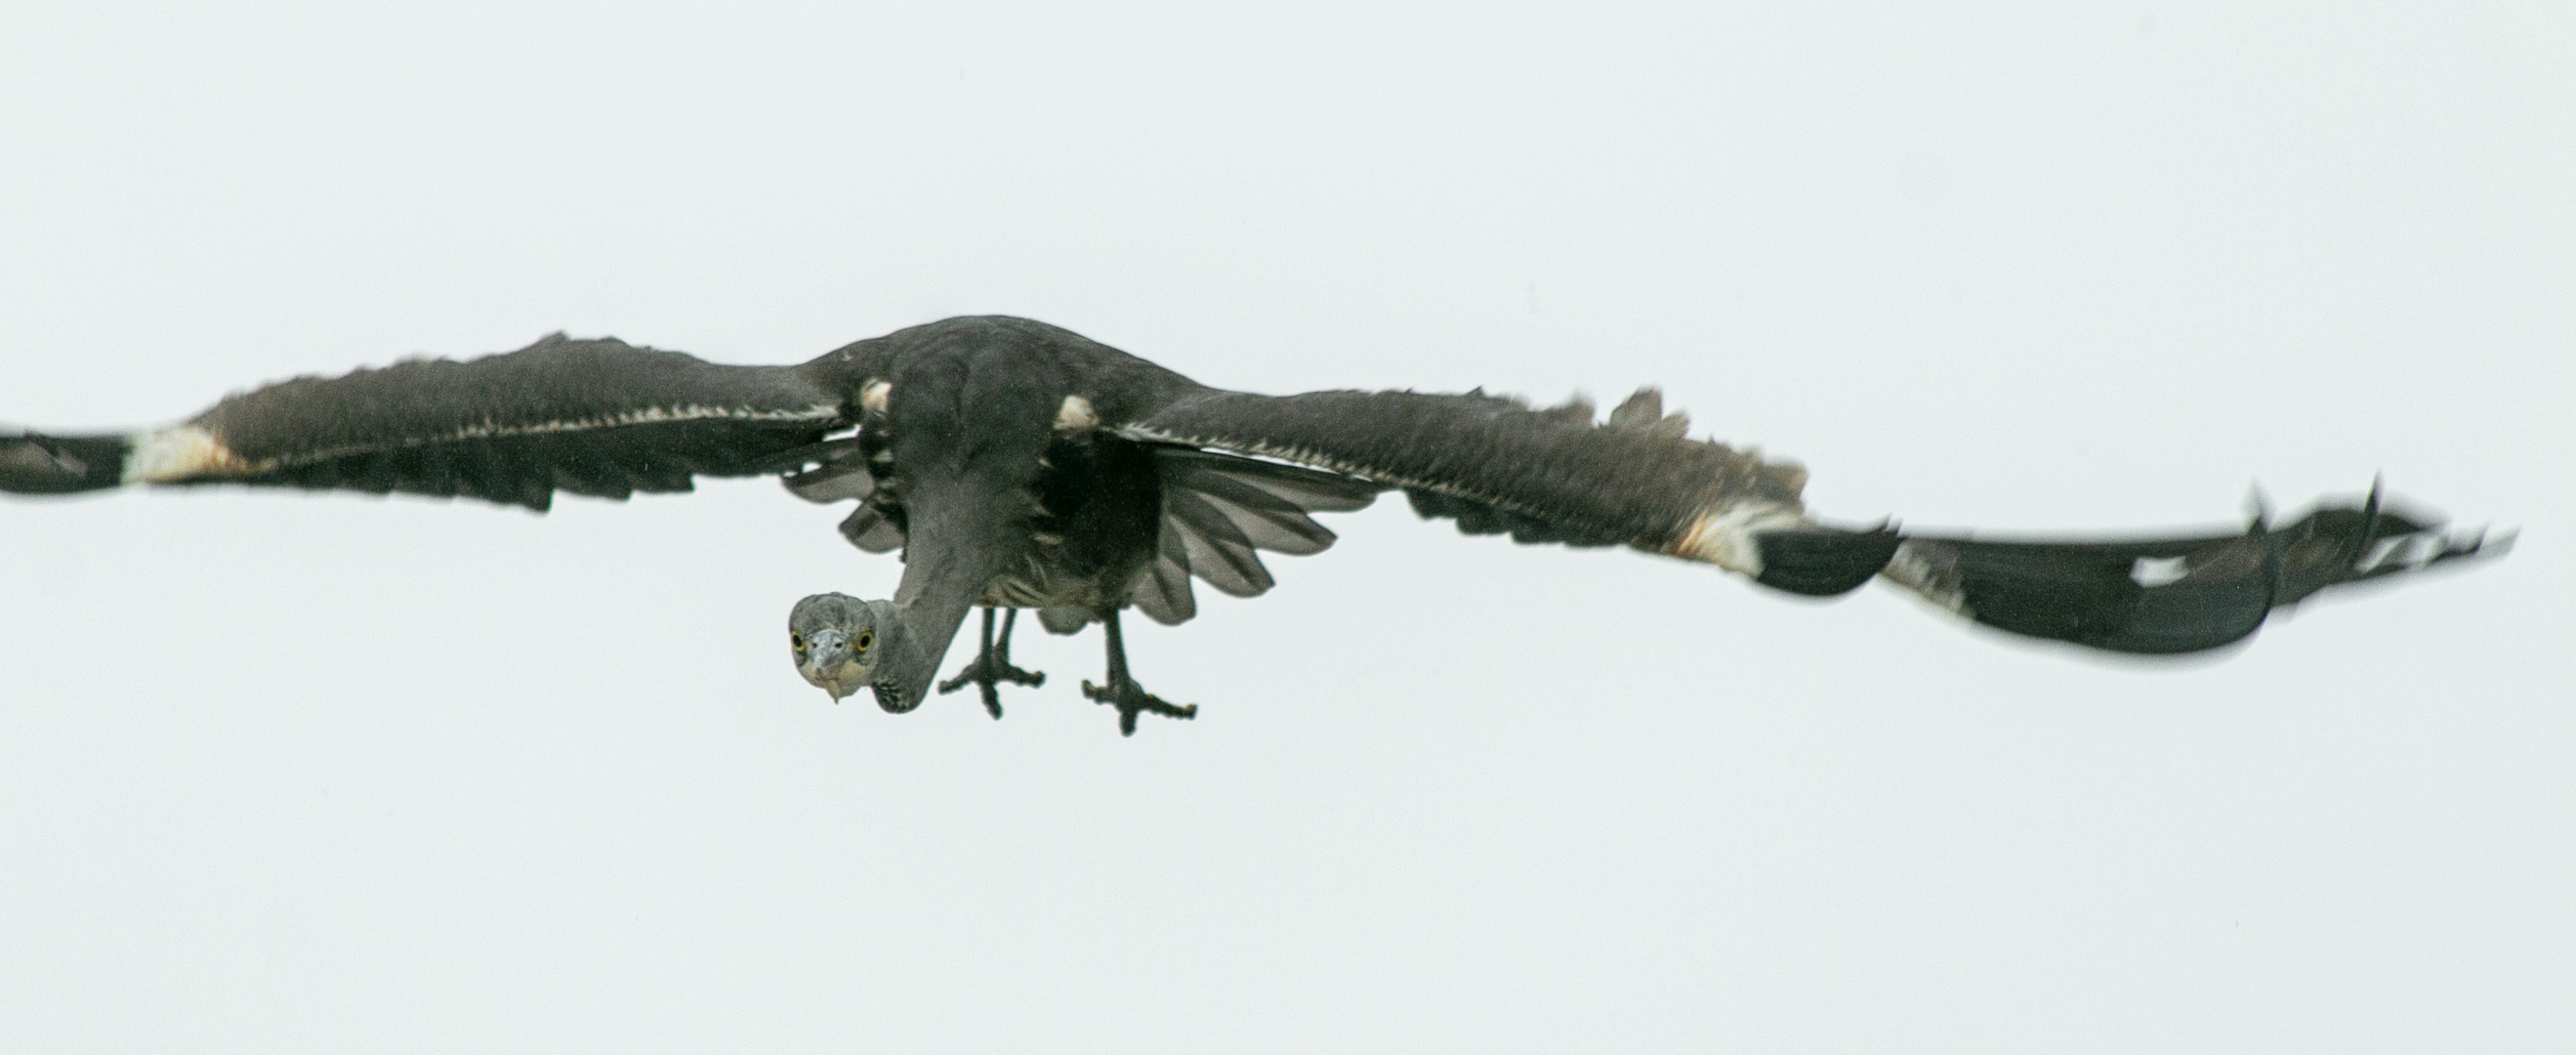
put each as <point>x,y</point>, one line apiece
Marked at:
<point>181,452</point>
<point>651,416</point>
<point>872,398</point>
<point>2158,571</point>
<point>1930,573</point>
<point>1724,535</point>
<point>1310,459</point>
<point>1076,415</point>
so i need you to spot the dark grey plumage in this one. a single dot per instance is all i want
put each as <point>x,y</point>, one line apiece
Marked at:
<point>1545,473</point>
<point>1018,465</point>
<point>596,417</point>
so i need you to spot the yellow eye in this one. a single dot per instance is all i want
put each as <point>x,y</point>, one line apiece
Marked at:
<point>797,640</point>
<point>866,638</point>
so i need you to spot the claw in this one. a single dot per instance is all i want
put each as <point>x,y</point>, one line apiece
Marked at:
<point>1122,691</point>
<point>1131,700</point>
<point>992,666</point>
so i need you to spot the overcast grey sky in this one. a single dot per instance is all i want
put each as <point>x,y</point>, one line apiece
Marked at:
<point>284,772</point>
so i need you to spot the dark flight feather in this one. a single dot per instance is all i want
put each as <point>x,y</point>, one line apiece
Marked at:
<point>1165,596</point>
<point>2186,593</point>
<point>595,417</point>
<point>1550,474</point>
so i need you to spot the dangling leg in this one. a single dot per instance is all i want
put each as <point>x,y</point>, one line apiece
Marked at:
<point>1122,691</point>
<point>993,666</point>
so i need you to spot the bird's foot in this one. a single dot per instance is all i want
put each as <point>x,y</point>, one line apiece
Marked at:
<point>1131,700</point>
<point>987,673</point>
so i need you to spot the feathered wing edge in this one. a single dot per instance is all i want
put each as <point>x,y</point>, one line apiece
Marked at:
<point>1218,509</point>
<point>1492,464</point>
<point>1497,466</point>
<point>594,417</point>
<point>837,470</point>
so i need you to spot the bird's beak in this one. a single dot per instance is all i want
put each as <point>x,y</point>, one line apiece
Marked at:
<point>844,677</point>
<point>830,666</point>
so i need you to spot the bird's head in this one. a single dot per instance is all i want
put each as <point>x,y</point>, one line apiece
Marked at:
<point>839,641</point>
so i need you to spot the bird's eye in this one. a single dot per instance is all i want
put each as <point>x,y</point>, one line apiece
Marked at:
<point>797,640</point>
<point>866,638</point>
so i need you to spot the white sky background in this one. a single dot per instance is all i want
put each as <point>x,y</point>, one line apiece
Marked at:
<point>284,772</point>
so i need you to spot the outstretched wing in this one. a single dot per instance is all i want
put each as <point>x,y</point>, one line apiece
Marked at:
<point>592,417</point>
<point>1496,466</point>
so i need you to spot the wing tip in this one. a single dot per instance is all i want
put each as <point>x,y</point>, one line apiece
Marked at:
<point>1815,561</point>
<point>2174,596</point>
<point>35,463</point>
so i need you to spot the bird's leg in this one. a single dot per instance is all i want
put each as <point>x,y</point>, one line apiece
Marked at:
<point>1122,691</point>
<point>992,666</point>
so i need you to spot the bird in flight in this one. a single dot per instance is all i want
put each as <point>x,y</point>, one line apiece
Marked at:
<point>1017,465</point>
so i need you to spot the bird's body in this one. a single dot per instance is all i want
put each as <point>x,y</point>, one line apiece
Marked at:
<point>1019,465</point>
<point>1099,502</point>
